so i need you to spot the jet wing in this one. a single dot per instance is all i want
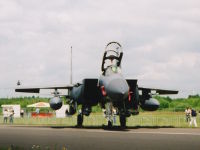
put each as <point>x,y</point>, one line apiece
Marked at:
<point>37,89</point>
<point>158,91</point>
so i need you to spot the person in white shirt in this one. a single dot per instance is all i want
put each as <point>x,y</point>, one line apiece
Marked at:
<point>22,113</point>
<point>114,115</point>
<point>5,116</point>
<point>188,114</point>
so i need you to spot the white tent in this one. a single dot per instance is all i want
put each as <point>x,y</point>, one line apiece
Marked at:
<point>39,105</point>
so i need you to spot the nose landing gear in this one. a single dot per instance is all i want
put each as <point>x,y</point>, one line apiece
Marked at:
<point>109,114</point>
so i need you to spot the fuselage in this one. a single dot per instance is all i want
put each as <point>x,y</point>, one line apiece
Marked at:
<point>113,85</point>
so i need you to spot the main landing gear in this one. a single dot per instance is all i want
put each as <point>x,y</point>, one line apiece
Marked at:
<point>84,111</point>
<point>80,119</point>
<point>122,119</point>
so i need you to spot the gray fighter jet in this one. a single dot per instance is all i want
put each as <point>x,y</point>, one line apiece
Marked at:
<point>115,94</point>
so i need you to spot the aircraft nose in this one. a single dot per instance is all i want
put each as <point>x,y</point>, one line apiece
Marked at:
<point>118,89</point>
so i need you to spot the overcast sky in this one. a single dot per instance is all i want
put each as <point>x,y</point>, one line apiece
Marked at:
<point>160,39</point>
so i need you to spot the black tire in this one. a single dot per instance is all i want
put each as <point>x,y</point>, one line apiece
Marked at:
<point>109,124</point>
<point>80,120</point>
<point>122,119</point>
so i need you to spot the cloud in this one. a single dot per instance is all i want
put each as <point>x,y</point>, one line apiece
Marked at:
<point>160,40</point>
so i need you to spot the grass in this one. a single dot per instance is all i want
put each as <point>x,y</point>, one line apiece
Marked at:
<point>144,119</point>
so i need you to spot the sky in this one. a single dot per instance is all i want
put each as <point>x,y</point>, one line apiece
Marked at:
<point>160,40</point>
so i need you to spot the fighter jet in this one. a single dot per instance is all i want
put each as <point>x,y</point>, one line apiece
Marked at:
<point>115,94</point>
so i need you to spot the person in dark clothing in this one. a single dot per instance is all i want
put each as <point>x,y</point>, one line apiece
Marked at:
<point>11,116</point>
<point>193,118</point>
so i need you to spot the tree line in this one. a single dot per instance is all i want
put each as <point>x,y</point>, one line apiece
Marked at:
<point>166,103</point>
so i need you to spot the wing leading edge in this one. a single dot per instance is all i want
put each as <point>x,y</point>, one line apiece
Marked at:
<point>158,91</point>
<point>133,83</point>
<point>37,89</point>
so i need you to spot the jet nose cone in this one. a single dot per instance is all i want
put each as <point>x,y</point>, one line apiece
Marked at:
<point>118,89</point>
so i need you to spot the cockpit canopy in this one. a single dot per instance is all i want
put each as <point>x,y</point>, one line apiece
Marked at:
<point>113,49</point>
<point>112,55</point>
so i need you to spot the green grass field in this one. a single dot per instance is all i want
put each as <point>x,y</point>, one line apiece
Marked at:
<point>144,119</point>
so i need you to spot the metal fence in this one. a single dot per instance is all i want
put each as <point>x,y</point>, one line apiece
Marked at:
<point>99,120</point>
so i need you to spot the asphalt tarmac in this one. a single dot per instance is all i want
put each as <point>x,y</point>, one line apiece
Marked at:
<point>22,137</point>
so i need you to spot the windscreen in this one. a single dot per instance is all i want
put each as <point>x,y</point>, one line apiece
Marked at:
<point>113,51</point>
<point>113,48</point>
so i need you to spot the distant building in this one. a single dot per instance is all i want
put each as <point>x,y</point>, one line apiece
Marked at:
<point>16,109</point>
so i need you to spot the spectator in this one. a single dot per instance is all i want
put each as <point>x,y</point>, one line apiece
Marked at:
<point>193,118</point>
<point>22,113</point>
<point>188,114</point>
<point>66,113</point>
<point>11,116</point>
<point>114,115</point>
<point>5,116</point>
<point>37,110</point>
